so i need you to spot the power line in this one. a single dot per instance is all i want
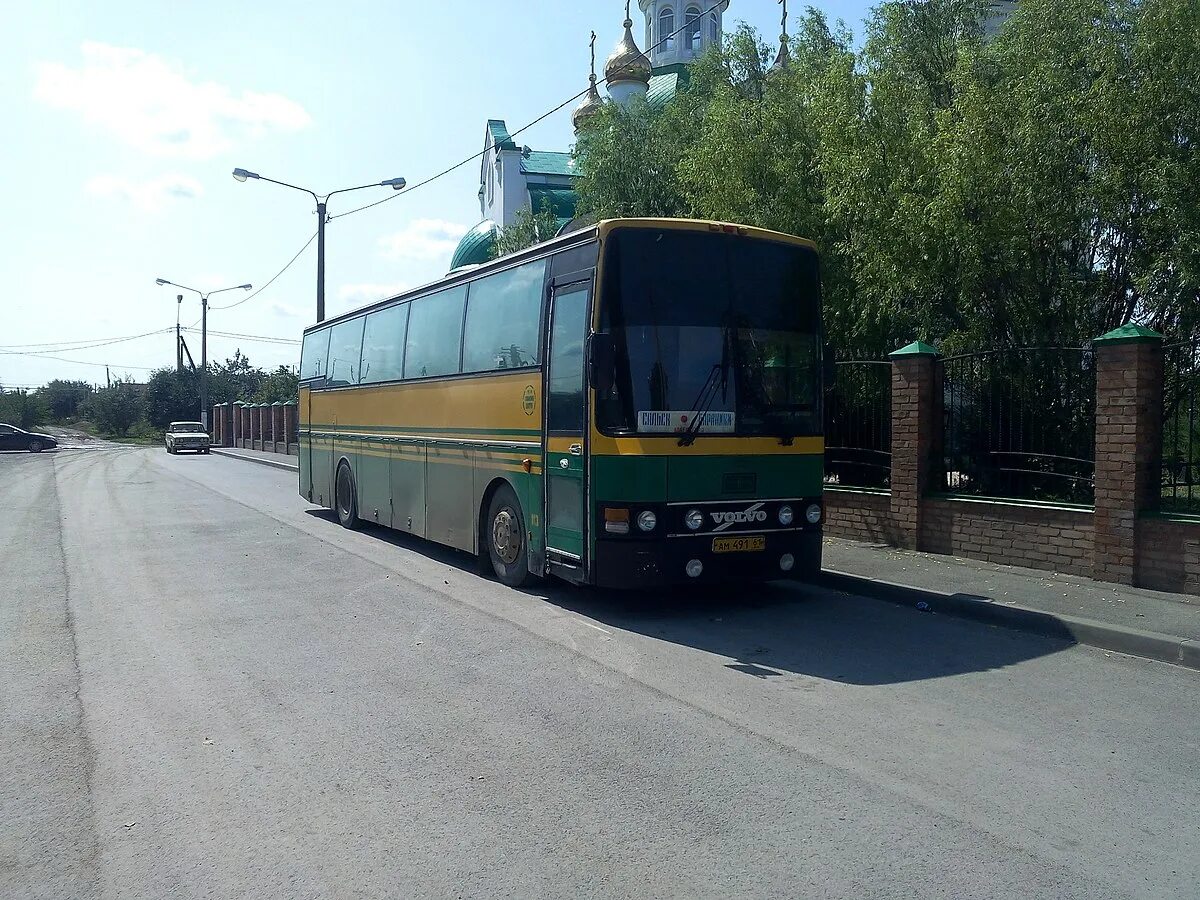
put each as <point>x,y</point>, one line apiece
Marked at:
<point>276,275</point>
<point>83,362</point>
<point>69,346</point>
<point>250,337</point>
<point>523,128</point>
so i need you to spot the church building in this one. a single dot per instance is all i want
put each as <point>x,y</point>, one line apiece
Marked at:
<point>514,177</point>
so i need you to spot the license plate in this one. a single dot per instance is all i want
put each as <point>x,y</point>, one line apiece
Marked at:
<point>752,544</point>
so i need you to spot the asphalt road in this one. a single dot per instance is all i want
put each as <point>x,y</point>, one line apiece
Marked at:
<point>209,689</point>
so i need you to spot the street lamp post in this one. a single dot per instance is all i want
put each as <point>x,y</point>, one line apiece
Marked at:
<point>203,336</point>
<point>321,200</point>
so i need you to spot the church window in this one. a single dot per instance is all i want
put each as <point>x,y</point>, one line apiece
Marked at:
<point>666,29</point>
<point>691,34</point>
<point>714,28</point>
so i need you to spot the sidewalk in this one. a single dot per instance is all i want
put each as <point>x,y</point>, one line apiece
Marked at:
<point>1130,620</point>
<point>278,460</point>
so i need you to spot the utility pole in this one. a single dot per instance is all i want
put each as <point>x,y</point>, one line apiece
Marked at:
<point>204,361</point>
<point>203,337</point>
<point>178,337</point>
<point>107,378</point>
<point>321,260</point>
<point>321,200</point>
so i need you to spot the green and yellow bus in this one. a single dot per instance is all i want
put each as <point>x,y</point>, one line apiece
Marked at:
<point>635,403</point>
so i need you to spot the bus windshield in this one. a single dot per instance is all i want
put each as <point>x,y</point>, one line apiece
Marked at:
<point>727,323</point>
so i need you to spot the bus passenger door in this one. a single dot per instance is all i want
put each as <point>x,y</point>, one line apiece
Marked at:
<point>566,427</point>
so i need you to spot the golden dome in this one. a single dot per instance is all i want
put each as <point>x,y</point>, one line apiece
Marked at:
<point>588,106</point>
<point>627,62</point>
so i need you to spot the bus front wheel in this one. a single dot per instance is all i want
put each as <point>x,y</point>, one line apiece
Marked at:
<point>505,537</point>
<point>346,498</point>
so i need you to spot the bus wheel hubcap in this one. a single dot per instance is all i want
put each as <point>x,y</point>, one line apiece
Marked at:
<point>505,538</point>
<point>344,495</point>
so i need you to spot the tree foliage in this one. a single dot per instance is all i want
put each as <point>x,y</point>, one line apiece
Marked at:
<point>1039,187</point>
<point>22,409</point>
<point>527,228</point>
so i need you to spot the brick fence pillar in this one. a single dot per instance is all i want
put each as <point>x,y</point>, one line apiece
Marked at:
<point>1129,387</point>
<point>916,430</point>
<point>227,427</point>
<point>215,421</point>
<point>278,434</point>
<point>239,424</point>
<point>290,426</point>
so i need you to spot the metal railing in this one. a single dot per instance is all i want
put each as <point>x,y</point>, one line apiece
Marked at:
<point>1020,423</point>
<point>1181,428</point>
<point>858,425</point>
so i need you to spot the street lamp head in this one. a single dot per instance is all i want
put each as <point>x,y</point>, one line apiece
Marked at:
<point>245,287</point>
<point>395,184</point>
<point>161,281</point>
<point>243,174</point>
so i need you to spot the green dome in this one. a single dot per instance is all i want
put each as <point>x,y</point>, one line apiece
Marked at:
<point>477,246</point>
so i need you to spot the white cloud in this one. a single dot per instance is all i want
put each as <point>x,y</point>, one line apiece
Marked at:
<point>283,311</point>
<point>354,295</point>
<point>423,239</point>
<point>150,103</point>
<point>149,195</point>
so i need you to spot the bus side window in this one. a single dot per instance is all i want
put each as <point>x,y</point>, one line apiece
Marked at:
<point>345,350</point>
<point>435,334</point>
<point>383,345</point>
<point>503,314</point>
<point>313,353</point>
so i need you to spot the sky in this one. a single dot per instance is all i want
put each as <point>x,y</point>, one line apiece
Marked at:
<point>123,121</point>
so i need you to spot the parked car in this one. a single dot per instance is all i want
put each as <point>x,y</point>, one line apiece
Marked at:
<point>14,438</point>
<point>186,436</point>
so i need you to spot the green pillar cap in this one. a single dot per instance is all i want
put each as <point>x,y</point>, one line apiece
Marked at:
<point>1129,333</point>
<point>916,348</point>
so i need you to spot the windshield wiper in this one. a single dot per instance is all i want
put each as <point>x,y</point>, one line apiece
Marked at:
<point>700,406</point>
<point>717,378</point>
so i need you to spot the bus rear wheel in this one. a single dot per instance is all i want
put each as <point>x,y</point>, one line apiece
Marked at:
<point>504,534</point>
<point>346,498</point>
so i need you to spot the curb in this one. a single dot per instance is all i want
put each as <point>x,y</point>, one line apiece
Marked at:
<point>1146,644</point>
<point>255,459</point>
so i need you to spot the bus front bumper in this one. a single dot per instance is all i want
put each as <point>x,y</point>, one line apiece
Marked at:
<point>652,563</point>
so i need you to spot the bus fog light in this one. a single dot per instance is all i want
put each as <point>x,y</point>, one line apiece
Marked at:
<point>813,514</point>
<point>786,515</point>
<point>694,519</point>
<point>787,562</point>
<point>647,520</point>
<point>694,568</point>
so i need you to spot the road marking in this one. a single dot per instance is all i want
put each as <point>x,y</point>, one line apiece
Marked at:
<point>598,628</point>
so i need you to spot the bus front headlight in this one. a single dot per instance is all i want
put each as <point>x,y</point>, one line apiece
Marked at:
<point>647,520</point>
<point>786,515</point>
<point>694,519</point>
<point>813,513</point>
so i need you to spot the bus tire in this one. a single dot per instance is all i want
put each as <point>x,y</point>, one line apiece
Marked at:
<point>504,534</point>
<point>345,497</point>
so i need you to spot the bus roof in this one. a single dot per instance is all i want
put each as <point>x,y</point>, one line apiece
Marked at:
<point>597,231</point>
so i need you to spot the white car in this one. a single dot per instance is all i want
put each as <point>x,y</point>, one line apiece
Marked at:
<point>187,436</point>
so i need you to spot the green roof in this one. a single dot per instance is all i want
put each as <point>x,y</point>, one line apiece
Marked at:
<point>476,247</point>
<point>562,200</point>
<point>662,89</point>
<point>1129,333</point>
<point>916,348</point>
<point>548,162</point>
<point>499,132</point>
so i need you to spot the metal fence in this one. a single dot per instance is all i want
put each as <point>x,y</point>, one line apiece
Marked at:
<point>1181,428</point>
<point>1020,424</point>
<point>858,425</point>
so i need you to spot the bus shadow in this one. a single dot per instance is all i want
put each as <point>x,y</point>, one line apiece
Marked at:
<point>765,631</point>
<point>768,630</point>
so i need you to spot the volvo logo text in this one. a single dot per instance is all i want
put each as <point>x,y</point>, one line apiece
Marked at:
<point>751,514</point>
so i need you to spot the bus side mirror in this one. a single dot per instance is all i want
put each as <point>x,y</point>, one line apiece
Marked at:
<point>601,362</point>
<point>829,368</point>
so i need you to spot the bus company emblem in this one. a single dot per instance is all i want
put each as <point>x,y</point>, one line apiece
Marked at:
<point>528,400</point>
<point>754,513</point>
